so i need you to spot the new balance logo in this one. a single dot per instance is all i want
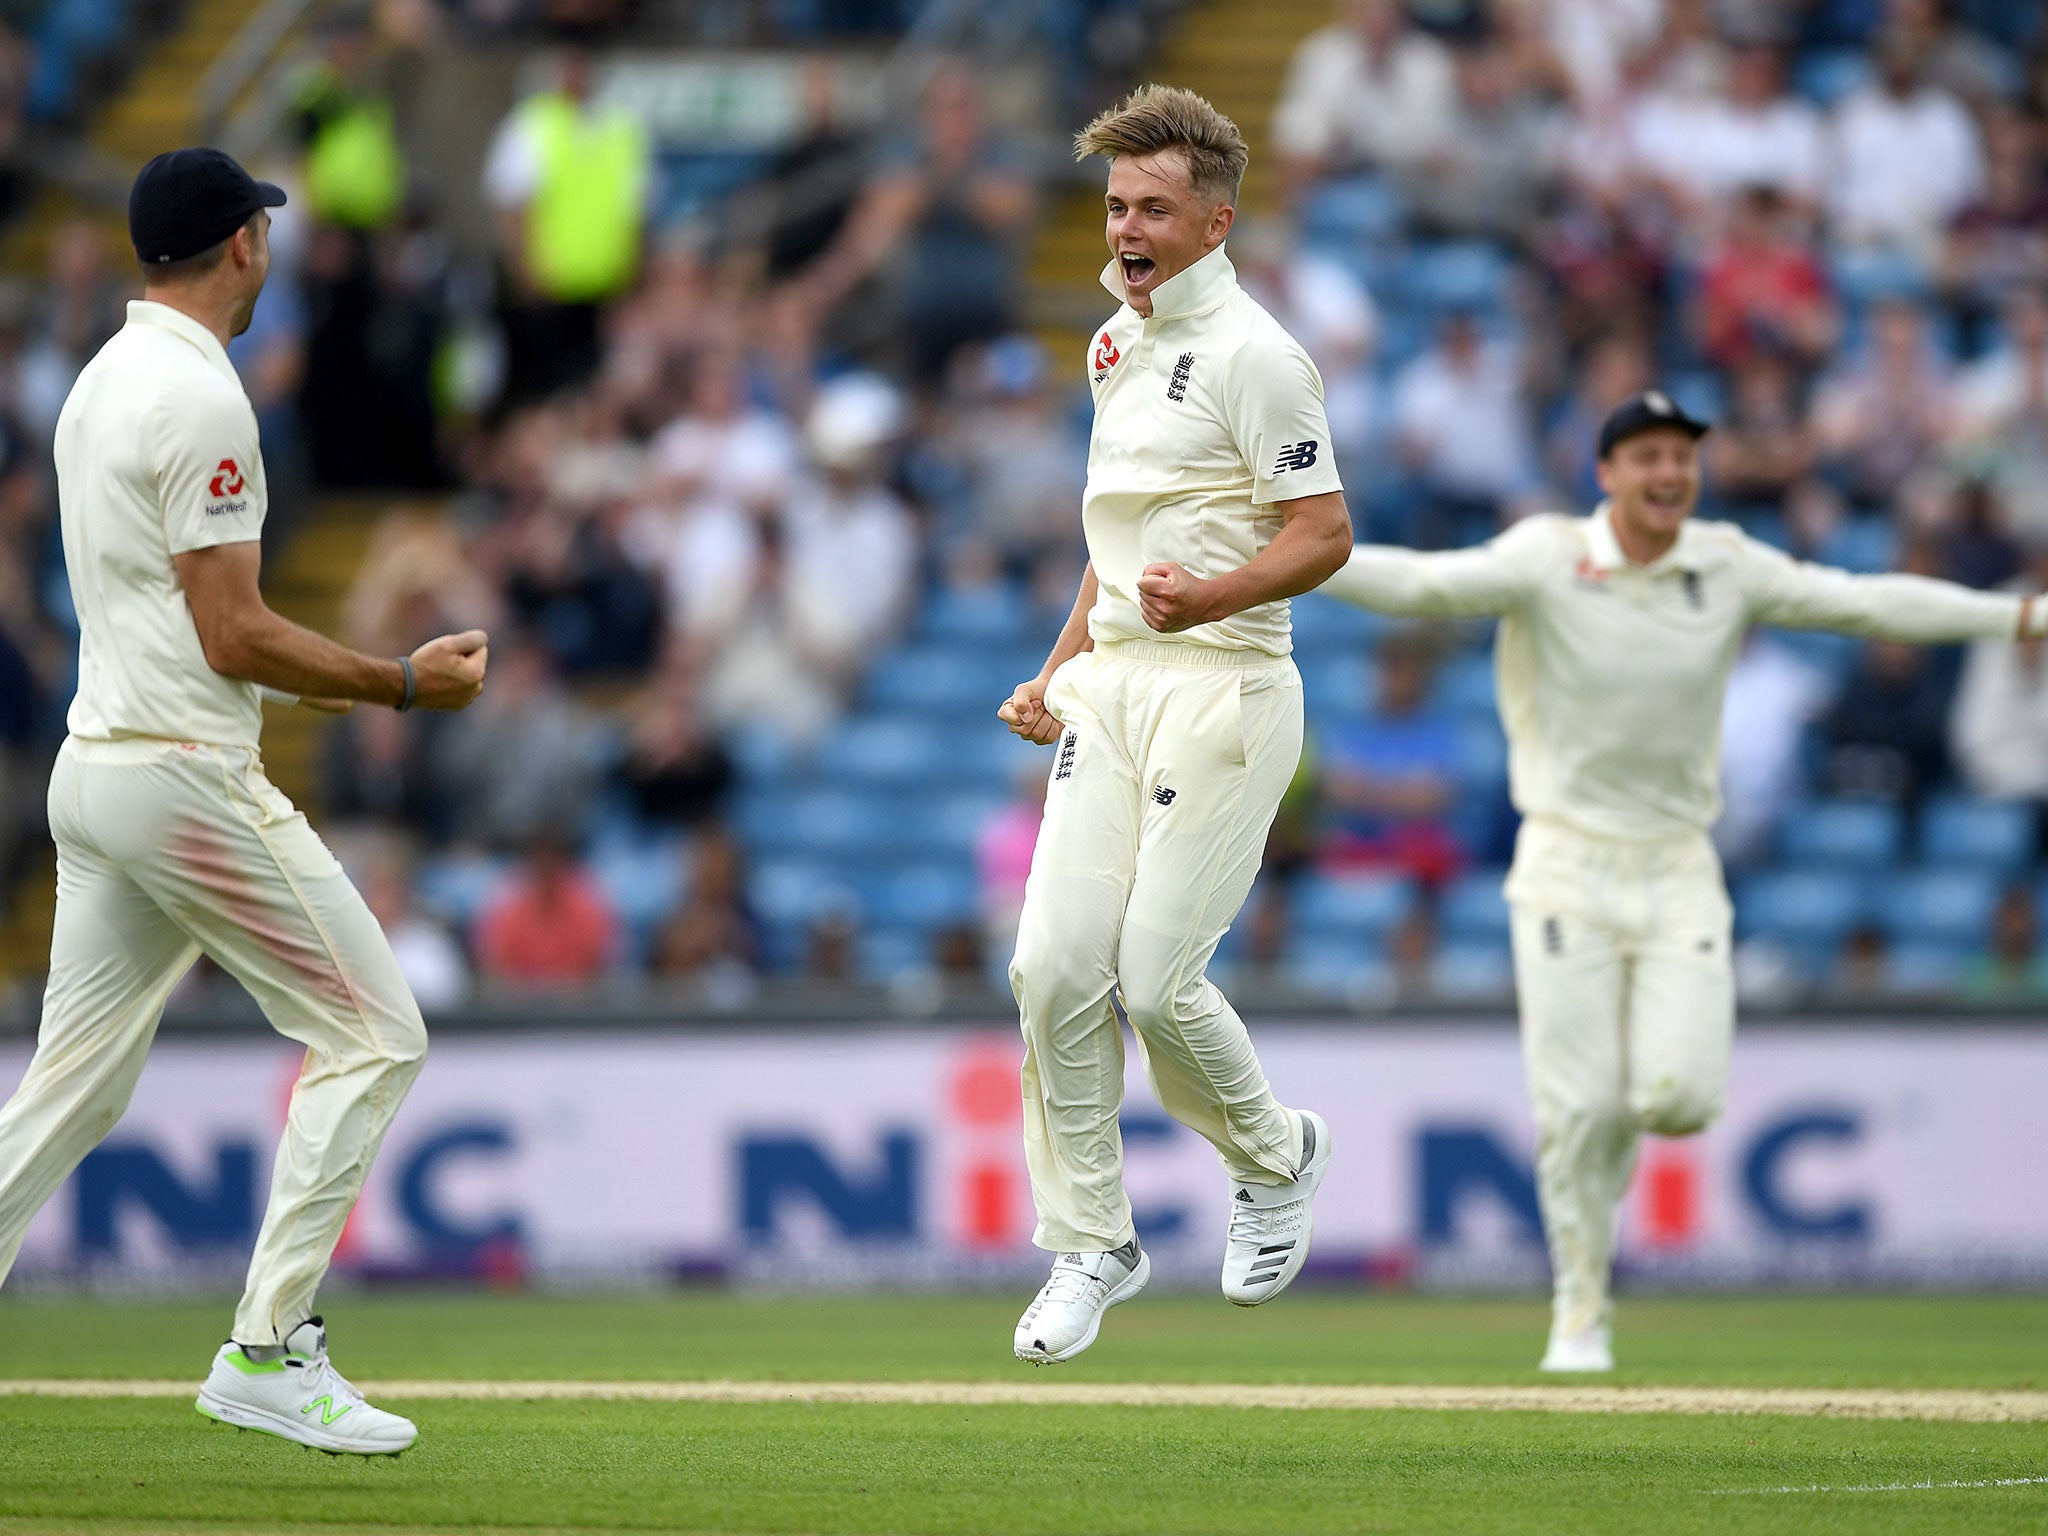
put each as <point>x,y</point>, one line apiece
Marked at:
<point>1695,596</point>
<point>1243,1195</point>
<point>1296,456</point>
<point>1064,769</point>
<point>1163,796</point>
<point>328,1412</point>
<point>1177,390</point>
<point>1553,937</point>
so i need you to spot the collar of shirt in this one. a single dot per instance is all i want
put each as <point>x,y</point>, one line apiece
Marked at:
<point>183,326</point>
<point>1195,291</point>
<point>1604,549</point>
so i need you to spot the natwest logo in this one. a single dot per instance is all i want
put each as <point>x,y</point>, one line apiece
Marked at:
<point>1106,355</point>
<point>227,480</point>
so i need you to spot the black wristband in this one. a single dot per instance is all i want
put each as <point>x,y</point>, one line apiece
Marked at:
<point>411,683</point>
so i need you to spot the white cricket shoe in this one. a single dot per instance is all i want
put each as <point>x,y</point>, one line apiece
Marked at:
<point>1590,1349</point>
<point>1270,1223</point>
<point>1066,1314</point>
<point>301,1397</point>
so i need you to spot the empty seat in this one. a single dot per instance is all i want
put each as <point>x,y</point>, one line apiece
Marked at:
<point>1466,685</point>
<point>1341,972</point>
<point>1474,910</point>
<point>884,749</point>
<point>995,614</point>
<point>1798,907</point>
<point>925,896</point>
<point>1996,834</point>
<point>1472,973</point>
<point>794,893</point>
<point>1865,833</point>
<point>938,679</point>
<point>839,822</point>
<point>1923,968</point>
<point>1939,906</point>
<point>887,953</point>
<point>1352,907</point>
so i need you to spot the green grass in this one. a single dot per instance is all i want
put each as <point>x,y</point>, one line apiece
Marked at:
<point>155,1465</point>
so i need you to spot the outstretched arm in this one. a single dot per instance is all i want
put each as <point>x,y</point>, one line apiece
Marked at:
<point>1916,609</point>
<point>1486,580</point>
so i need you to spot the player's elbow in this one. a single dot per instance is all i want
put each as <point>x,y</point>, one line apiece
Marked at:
<point>1331,529</point>
<point>227,645</point>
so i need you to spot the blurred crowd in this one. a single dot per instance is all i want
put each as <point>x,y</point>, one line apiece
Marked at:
<point>737,480</point>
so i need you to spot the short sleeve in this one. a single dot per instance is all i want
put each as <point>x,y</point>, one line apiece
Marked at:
<point>209,470</point>
<point>1274,404</point>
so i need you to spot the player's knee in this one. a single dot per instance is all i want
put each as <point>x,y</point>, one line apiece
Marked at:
<point>1565,1126</point>
<point>402,1039</point>
<point>1673,1108</point>
<point>1050,981</point>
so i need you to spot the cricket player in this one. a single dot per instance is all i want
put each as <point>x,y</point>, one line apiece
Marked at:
<point>1617,635</point>
<point>1211,500</point>
<point>170,841</point>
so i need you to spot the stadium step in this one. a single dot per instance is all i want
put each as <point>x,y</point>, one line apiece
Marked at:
<point>1236,55</point>
<point>155,110</point>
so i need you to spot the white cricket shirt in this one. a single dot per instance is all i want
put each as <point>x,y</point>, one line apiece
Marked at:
<point>1206,415</point>
<point>156,455</point>
<point>1611,675</point>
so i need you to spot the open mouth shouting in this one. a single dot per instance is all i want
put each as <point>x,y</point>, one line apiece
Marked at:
<point>1137,269</point>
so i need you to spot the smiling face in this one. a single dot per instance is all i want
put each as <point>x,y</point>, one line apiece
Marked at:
<point>1652,481</point>
<point>1160,223</point>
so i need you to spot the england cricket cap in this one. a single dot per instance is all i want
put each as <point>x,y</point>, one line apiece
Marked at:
<point>1640,413</point>
<point>189,200</point>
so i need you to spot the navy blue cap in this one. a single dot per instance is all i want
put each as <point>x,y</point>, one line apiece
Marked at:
<point>1640,413</point>
<point>188,201</point>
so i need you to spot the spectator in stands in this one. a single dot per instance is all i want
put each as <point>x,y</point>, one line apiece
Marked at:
<point>804,200</point>
<point>1887,735</point>
<point>829,946</point>
<point>1616,367</point>
<point>712,938</point>
<point>2011,966</point>
<point>29,654</point>
<point>1020,468</point>
<point>677,772</point>
<point>1765,290</point>
<point>427,954</point>
<point>416,579</point>
<point>1863,967</point>
<point>549,925</point>
<point>1904,158</point>
<point>1998,733</point>
<point>1369,92</point>
<point>570,180</point>
<point>1391,780</point>
<point>1490,175</point>
<point>1321,304</point>
<point>1998,243</point>
<point>1462,430</point>
<point>1412,953</point>
<point>1773,696</point>
<point>83,304</point>
<point>523,761</point>
<point>1763,445</point>
<point>2002,412</point>
<point>374,769</point>
<point>1955,57</point>
<point>1875,420</point>
<point>354,172</point>
<point>1710,151</point>
<point>949,204</point>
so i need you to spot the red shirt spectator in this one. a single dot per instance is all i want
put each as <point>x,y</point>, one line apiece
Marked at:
<point>1764,291</point>
<point>550,926</point>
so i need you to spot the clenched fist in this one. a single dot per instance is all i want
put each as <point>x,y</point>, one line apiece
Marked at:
<point>1025,714</point>
<point>1171,599</point>
<point>449,672</point>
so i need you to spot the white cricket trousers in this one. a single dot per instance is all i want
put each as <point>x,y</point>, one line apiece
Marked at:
<point>1164,783</point>
<point>1627,993</point>
<point>165,849</point>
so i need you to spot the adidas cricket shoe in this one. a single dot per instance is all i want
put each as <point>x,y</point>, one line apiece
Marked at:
<point>300,1397</point>
<point>1590,1349</point>
<point>1066,1314</point>
<point>1269,1224</point>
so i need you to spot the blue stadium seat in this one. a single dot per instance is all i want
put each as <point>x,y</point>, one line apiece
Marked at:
<point>1864,833</point>
<point>996,614</point>
<point>1825,76</point>
<point>834,821</point>
<point>935,679</point>
<point>1993,834</point>
<point>1321,620</point>
<point>1337,684</point>
<point>644,881</point>
<point>1925,968</point>
<point>1339,970</point>
<point>1801,907</point>
<point>1472,972</point>
<point>886,953</point>
<point>1466,685</point>
<point>926,896</point>
<point>1360,907</point>
<point>1862,544</point>
<point>1950,905</point>
<point>1473,909</point>
<point>1361,210</point>
<point>886,750</point>
<point>946,825</point>
<point>1482,754</point>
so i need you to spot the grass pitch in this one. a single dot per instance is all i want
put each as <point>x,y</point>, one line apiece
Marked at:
<point>132,1464</point>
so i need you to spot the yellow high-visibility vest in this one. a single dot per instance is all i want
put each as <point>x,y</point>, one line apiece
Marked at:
<point>355,170</point>
<point>583,224</point>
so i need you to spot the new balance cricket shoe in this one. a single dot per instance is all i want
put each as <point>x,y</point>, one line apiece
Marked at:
<point>1269,1224</point>
<point>1590,1349</point>
<point>301,1397</point>
<point>1066,1314</point>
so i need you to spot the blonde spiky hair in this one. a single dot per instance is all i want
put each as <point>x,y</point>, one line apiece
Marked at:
<point>1156,118</point>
